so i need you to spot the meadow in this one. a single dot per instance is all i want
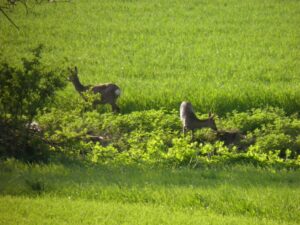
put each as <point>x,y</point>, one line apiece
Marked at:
<point>238,59</point>
<point>220,55</point>
<point>76,193</point>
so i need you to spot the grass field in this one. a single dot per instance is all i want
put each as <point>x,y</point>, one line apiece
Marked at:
<point>235,58</point>
<point>220,55</point>
<point>85,194</point>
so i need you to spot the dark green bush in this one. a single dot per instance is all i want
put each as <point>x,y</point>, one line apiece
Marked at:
<point>24,92</point>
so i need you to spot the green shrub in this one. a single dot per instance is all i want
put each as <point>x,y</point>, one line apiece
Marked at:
<point>154,136</point>
<point>252,119</point>
<point>273,142</point>
<point>24,92</point>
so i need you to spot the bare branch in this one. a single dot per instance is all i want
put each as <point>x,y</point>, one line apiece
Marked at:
<point>9,19</point>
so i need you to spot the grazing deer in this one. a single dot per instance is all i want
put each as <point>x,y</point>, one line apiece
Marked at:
<point>230,137</point>
<point>190,120</point>
<point>109,92</point>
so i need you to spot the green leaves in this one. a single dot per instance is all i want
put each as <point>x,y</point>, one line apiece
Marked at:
<point>27,90</point>
<point>154,137</point>
<point>24,92</point>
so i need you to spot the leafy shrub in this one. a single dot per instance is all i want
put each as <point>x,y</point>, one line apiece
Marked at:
<point>103,154</point>
<point>182,151</point>
<point>252,119</point>
<point>272,142</point>
<point>154,136</point>
<point>24,92</point>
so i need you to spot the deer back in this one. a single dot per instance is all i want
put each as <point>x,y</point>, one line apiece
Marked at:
<point>187,111</point>
<point>190,120</point>
<point>204,123</point>
<point>109,92</point>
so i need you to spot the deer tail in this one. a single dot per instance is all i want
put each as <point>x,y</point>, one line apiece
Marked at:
<point>118,92</point>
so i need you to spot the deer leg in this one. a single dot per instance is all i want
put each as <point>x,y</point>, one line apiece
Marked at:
<point>95,103</point>
<point>184,130</point>
<point>115,108</point>
<point>192,135</point>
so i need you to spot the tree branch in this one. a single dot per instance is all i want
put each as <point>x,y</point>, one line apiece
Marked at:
<point>9,19</point>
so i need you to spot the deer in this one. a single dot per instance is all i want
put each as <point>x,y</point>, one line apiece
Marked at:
<point>190,120</point>
<point>109,92</point>
<point>230,137</point>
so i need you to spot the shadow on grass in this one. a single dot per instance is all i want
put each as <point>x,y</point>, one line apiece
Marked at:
<point>20,178</point>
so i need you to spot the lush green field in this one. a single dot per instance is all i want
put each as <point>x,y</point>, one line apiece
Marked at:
<point>220,55</point>
<point>86,194</point>
<point>235,58</point>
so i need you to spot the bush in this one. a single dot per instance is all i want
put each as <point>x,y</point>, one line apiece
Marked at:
<point>24,92</point>
<point>154,137</point>
<point>253,119</point>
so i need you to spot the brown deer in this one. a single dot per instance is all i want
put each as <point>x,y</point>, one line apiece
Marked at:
<point>109,92</point>
<point>190,120</point>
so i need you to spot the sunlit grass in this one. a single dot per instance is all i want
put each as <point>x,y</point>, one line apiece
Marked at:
<point>221,55</point>
<point>115,194</point>
<point>45,210</point>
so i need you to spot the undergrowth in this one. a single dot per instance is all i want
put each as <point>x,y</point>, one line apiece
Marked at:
<point>261,136</point>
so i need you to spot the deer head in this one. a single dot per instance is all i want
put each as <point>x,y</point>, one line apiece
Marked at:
<point>73,74</point>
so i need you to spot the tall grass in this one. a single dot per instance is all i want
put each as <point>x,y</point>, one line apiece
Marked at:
<point>87,194</point>
<point>221,55</point>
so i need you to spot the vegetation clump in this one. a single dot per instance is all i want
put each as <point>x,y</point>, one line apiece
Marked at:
<point>24,92</point>
<point>263,136</point>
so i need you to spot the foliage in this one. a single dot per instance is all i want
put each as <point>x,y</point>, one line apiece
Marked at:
<point>154,137</point>
<point>24,92</point>
<point>201,55</point>
<point>238,59</point>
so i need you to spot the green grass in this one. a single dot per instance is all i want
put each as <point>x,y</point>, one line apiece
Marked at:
<point>68,194</point>
<point>220,55</point>
<point>47,210</point>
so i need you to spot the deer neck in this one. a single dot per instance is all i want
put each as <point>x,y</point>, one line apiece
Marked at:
<point>78,86</point>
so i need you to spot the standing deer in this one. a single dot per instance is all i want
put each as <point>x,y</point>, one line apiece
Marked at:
<point>109,92</point>
<point>190,120</point>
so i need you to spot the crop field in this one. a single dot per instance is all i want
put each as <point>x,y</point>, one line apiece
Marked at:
<point>64,162</point>
<point>220,55</point>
